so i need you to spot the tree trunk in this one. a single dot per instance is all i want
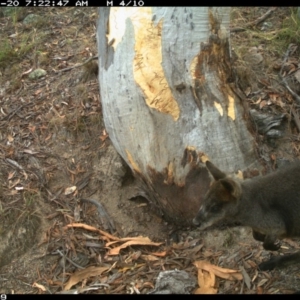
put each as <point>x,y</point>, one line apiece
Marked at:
<point>169,101</point>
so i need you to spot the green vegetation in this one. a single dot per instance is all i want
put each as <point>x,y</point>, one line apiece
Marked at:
<point>290,32</point>
<point>275,40</point>
<point>6,53</point>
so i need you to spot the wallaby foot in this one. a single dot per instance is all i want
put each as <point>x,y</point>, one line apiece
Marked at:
<point>280,262</point>
<point>269,243</point>
<point>258,236</point>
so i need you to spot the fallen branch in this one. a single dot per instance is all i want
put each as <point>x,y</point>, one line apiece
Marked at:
<point>255,22</point>
<point>69,260</point>
<point>291,49</point>
<point>106,221</point>
<point>296,118</point>
<point>78,65</point>
<point>91,228</point>
<point>11,114</point>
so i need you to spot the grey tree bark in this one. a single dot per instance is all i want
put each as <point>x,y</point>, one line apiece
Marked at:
<point>169,100</point>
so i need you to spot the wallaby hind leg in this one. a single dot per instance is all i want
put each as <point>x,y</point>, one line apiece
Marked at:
<point>258,236</point>
<point>269,242</point>
<point>280,262</point>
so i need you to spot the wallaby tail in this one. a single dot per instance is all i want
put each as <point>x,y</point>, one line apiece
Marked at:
<point>280,261</point>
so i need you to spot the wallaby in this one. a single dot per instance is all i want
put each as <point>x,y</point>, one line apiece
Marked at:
<point>269,204</point>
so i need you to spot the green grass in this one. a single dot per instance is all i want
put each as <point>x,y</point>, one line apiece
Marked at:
<point>290,32</point>
<point>7,53</point>
<point>275,40</point>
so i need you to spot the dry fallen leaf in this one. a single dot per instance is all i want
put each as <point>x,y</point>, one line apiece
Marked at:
<point>136,255</point>
<point>39,286</point>
<point>218,271</point>
<point>160,254</point>
<point>207,273</point>
<point>255,275</point>
<point>292,243</point>
<point>26,72</point>
<point>91,228</point>
<point>12,184</point>
<point>104,135</point>
<point>37,92</point>
<point>297,75</point>
<point>262,282</point>
<point>148,284</point>
<point>149,257</point>
<point>140,240</point>
<point>194,250</point>
<point>84,274</point>
<point>10,138</point>
<point>259,290</point>
<point>77,213</point>
<point>258,101</point>
<point>247,278</point>
<point>70,190</point>
<point>130,267</point>
<point>11,175</point>
<point>262,104</point>
<point>206,281</point>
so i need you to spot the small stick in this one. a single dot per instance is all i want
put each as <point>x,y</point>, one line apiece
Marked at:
<point>69,260</point>
<point>78,65</point>
<point>255,22</point>
<point>102,214</point>
<point>291,49</point>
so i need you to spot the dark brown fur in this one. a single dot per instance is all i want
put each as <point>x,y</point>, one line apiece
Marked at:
<point>269,204</point>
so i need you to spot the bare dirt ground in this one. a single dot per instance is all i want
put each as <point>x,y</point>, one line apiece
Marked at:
<point>54,152</point>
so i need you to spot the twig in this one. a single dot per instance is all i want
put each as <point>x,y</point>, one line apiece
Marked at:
<point>291,49</point>
<point>14,163</point>
<point>84,289</point>
<point>106,220</point>
<point>11,114</point>
<point>69,260</point>
<point>296,118</point>
<point>78,65</point>
<point>255,22</point>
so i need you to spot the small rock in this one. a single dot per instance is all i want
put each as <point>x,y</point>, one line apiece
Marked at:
<point>266,26</point>
<point>31,18</point>
<point>38,73</point>
<point>174,282</point>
